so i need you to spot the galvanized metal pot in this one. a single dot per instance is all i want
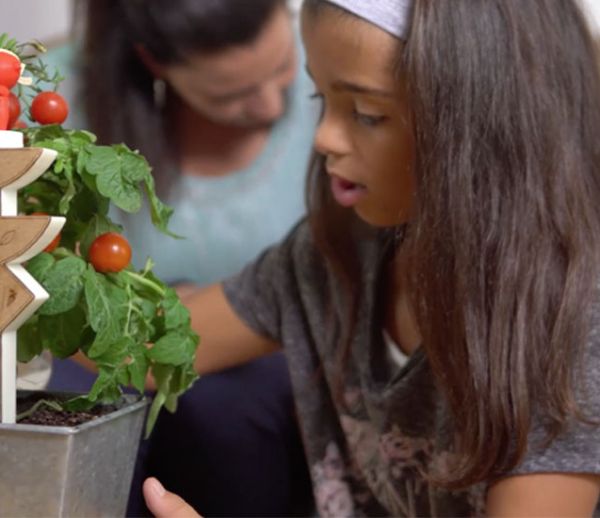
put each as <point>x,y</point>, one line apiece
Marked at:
<point>85,470</point>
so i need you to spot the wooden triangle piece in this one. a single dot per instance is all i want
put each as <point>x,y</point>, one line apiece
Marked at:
<point>14,163</point>
<point>19,234</point>
<point>14,297</point>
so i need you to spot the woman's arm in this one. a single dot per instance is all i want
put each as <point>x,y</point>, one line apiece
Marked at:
<point>225,340</point>
<point>544,495</point>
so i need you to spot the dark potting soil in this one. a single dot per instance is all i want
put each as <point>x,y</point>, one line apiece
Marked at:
<point>44,415</point>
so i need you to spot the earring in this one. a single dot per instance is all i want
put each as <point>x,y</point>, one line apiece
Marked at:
<point>159,89</point>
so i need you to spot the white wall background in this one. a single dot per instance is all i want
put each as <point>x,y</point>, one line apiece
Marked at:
<point>46,20</point>
<point>592,9</point>
<point>49,20</point>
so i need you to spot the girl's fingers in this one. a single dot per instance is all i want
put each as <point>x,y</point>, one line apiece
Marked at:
<point>163,504</point>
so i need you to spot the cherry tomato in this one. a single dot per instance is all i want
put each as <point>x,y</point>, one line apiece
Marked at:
<point>19,125</point>
<point>10,69</point>
<point>14,108</point>
<point>109,252</point>
<point>54,243</point>
<point>49,108</point>
<point>4,107</point>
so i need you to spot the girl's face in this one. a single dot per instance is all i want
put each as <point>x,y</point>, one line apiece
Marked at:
<point>365,133</point>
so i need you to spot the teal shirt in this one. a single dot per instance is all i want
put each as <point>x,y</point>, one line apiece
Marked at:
<point>225,221</point>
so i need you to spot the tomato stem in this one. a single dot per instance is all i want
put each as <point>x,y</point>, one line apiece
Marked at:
<point>146,282</point>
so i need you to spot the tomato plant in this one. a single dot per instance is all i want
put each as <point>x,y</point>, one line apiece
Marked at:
<point>104,308</point>
<point>110,252</point>
<point>10,68</point>
<point>49,108</point>
<point>14,110</point>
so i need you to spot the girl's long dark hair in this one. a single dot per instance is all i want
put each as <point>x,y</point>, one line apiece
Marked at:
<point>117,88</point>
<point>504,250</point>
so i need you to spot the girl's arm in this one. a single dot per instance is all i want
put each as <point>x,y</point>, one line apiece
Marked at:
<point>225,340</point>
<point>544,495</point>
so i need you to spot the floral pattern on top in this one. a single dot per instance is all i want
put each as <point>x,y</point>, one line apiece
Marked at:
<point>390,466</point>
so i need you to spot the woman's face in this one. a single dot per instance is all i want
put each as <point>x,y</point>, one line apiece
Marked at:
<point>243,86</point>
<point>365,133</point>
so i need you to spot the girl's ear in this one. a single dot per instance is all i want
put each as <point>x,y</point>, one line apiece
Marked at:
<point>153,66</point>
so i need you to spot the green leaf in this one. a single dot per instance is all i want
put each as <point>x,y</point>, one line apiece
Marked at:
<point>123,377</point>
<point>61,334</point>
<point>141,317</point>
<point>138,368</point>
<point>171,403</point>
<point>40,265</point>
<point>134,166</point>
<point>29,342</point>
<point>174,348</point>
<point>182,379</point>
<point>86,204</point>
<point>107,166</point>
<point>79,404</point>
<point>106,386</point>
<point>159,212</point>
<point>162,375</point>
<point>69,192</point>
<point>106,305</point>
<point>114,355</point>
<point>64,284</point>
<point>145,284</point>
<point>175,313</point>
<point>157,404</point>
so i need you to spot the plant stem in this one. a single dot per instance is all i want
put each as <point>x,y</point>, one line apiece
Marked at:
<point>146,282</point>
<point>52,404</point>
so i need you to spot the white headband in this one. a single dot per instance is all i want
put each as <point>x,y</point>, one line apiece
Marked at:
<point>392,16</point>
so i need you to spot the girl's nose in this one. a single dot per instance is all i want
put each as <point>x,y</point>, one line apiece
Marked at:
<point>330,138</point>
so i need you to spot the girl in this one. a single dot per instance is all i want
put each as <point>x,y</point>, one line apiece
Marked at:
<point>439,307</point>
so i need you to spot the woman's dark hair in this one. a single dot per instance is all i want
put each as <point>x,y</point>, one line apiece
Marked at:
<point>503,254</point>
<point>117,88</point>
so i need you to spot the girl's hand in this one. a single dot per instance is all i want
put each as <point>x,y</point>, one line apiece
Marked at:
<point>163,504</point>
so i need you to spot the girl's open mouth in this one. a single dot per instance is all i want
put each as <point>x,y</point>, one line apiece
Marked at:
<point>346,193</point>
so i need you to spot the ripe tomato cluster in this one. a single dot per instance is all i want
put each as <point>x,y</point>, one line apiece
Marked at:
<point>46,107</point>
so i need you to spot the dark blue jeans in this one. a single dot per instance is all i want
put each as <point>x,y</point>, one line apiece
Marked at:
<point>232,448</point>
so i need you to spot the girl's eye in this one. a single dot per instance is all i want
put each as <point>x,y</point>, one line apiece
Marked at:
<point>368,120</point>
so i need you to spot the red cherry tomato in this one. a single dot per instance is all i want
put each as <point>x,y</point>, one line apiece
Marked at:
<point>49,108</point>
<point>19,125</point>
<point>109,252</point>
<point>4,107</point>
<point>54,243</point>
<point>10,69</point>
<point>14,110</point>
